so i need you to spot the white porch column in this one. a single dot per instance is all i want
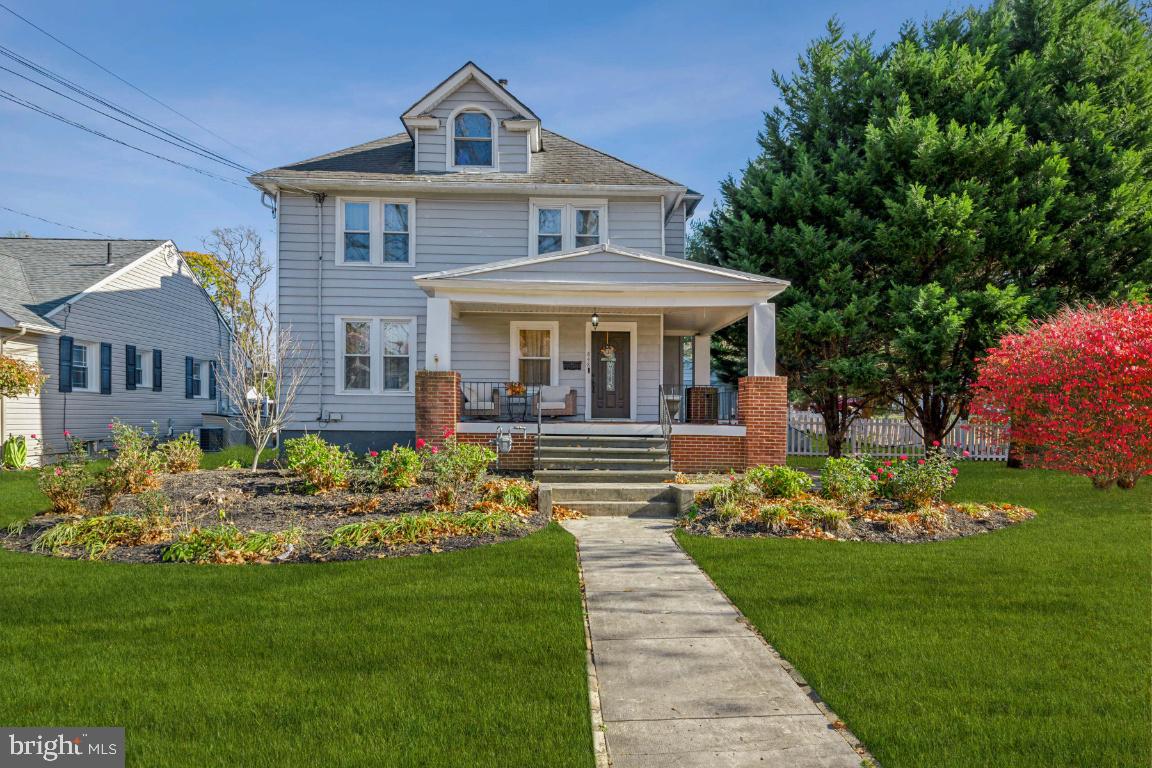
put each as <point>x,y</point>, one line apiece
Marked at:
<point>438,335</point>
<point>702,360</point>
<point>762,339</point>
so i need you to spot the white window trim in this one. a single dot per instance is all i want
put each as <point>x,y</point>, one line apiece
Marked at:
<point>202,368</point>
<point>376,351</point>
<point>514,329</point>
<point>567,221</point>
<point>450,141</point>
<point>376,230</point>
<point>92,365</point>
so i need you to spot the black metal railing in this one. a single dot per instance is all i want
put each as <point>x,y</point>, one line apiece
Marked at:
<point>496,401</point>
<point>665,423</point>
<point>718,404</point>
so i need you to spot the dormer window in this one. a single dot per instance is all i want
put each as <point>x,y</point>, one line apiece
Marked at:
<point>472,139</point>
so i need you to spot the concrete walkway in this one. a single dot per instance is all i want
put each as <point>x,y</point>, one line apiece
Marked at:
<point>681,680</point>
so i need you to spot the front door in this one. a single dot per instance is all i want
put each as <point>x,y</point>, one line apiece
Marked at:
<point>611,375</point>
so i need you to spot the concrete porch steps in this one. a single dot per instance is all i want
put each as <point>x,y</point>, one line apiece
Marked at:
<point>606,475</point>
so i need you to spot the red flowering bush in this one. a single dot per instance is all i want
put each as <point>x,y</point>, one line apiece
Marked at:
<point>1078,392</point>
<point>398,468</point>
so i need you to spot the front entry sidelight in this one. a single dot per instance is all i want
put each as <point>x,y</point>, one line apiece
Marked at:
<point>611,375</point>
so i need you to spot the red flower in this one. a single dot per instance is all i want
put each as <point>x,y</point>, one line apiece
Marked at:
<point>67,433</point>
<point>888,462</point>
<point>373,454</point>
<point>435,449</point>
<point>59,472</point>
<point>111,425</point>
<point>420,443</point>
<point>872,478</point>
<point>33,435</point>
<point>448,432</point>
<point>935,443</point>
<point>903,457</point>
<point>919,461</point>
<point>967,453</point>
<point>955,471</point>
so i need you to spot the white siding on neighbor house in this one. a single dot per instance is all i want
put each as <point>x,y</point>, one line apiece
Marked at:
<point>156,305</point>
<point>481,352</point>
<point>450,232</point>
<point>434,143</point>
<point>674,233</point>
<point>21,415</point>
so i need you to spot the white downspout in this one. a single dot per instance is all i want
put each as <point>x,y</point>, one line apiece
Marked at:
<point>320,304</point>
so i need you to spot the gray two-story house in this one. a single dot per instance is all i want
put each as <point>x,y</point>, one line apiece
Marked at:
<point>550,275</point>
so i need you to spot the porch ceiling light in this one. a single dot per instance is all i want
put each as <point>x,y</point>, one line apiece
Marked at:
<point>595,318</point>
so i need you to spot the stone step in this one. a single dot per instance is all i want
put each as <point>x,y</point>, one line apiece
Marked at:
<point>603,462</point>
<point>601,441</point>
<point>603,476</point>
<point>624,508</point>
<point>568,494</point>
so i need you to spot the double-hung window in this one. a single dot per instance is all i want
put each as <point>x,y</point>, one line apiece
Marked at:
<point>82,356</point>
<point>472,139</point>
<point>142,369</point>
<point>559,225</point>
<point>199,388</point>
<point>375,232</point>
<point>376,354</point>
<point>535,353</point>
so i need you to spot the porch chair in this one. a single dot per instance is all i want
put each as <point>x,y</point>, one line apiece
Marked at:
<point>554,402</point>
<point>477,408</point>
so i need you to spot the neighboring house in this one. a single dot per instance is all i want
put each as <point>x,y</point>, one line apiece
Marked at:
<point>122,329</point>
<point>479,242</point>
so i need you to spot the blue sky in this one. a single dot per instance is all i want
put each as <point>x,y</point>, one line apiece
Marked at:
<point>676,87</point>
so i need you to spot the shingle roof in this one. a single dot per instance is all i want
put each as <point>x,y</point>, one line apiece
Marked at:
<point>39,274</point>
<point>561,161</point>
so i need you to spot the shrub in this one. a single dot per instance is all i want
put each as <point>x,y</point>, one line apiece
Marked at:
<point>775,517</point>
<point>921,482</point>
<point>182,454</point>
<point>1077,391</point>
<point>455,468</point>
<point>14,454</point>
<point>847,481</point>
<point>427,528</point>
<point>98,535</point>
<point>19,378</point>
<point>67,482</point>
<point>226,544</point>
<point>779,482</point>
<point>111,484</point>
<point>324,467</point>
<point>398,468</point>
<point>134,458</point>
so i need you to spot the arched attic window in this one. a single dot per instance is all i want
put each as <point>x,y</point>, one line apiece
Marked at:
<point>472,138</point>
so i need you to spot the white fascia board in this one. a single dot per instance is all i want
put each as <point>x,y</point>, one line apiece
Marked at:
<point>598,295</point>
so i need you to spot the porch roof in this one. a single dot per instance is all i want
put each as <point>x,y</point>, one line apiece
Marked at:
<point>602,275</point>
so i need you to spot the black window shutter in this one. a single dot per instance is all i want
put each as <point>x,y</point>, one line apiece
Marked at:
<point>212,380</point>
<point>65,363</point>
<point>129,366</point>
<point>105,369</point>
<point>157,371</point>
<point>189,363</point>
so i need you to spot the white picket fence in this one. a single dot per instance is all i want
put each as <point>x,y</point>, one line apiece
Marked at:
<point>890,437</point>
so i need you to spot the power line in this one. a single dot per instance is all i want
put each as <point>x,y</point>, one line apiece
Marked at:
<point>122,80</point>
<point>48,113</point>
<point>55,223</point>
<point>181,142</point>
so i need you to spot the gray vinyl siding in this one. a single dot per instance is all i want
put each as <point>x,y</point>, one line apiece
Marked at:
<point>156,305</point>
<point>674,233</point>
<point>481,352</point>
<point>450,232</point>
<point>635,224</point>
<point>434,143</point>
<point>608,267</point>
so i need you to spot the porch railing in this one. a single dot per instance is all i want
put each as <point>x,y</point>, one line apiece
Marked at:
<point>718,404</point>
<point>666,424</point>
<point>889,436</point>
<point>491,401</point>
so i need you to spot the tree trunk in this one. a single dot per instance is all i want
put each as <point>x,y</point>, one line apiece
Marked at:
<point>260,446</point>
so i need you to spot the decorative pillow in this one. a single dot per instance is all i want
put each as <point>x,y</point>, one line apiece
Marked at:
<point>550,394</point>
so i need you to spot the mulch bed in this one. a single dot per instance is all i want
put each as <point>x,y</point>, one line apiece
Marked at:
<point>271,500</point>
<point>870,525</point>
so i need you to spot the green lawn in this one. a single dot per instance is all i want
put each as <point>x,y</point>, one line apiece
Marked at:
<point>469,658</point>
<point>1025,647</point>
